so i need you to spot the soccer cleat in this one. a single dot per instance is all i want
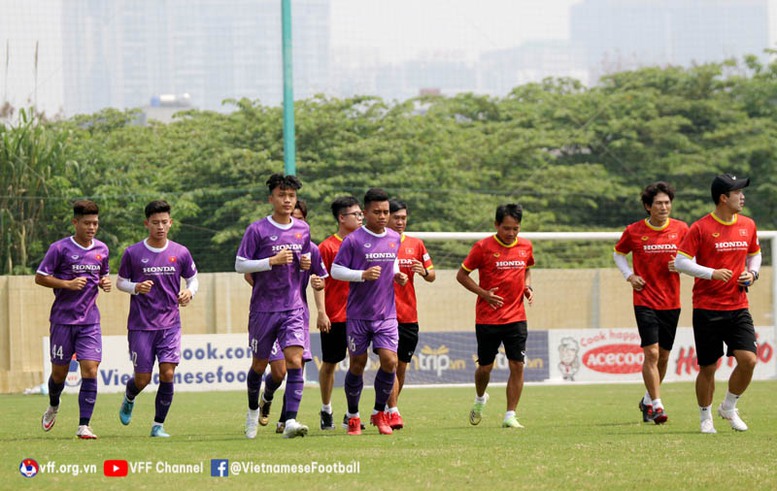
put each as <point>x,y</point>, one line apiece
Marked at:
<point>476,414</point>
<point>49,418</point>
<point>159,431</point>
<point>347,426</point>
<point>732,415</point>
<point>659,417</point>
<point>252,423</point>
<point>85,433</point>
<point>327,421</point>
<point>379,419</point>
<point>707,426</point>
<point>280,426</point>
<point>395,421</point>
<point>294,429</point>
<point>647,411</point>
<point>264,410</point>
<point>511,422</point>
<point>355,426</point>
<point>125,411</point>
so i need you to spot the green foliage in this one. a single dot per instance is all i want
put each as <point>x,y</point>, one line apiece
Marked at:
<point>576,158</point>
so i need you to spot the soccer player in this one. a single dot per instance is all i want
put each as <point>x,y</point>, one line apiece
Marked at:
<point>413,260</point>
<point>348,215</point>
<point>503,261</point>
<point>315,276</point>
<point>728,258</point>
<point>75,267</point>
<point>276,250</point>
<point>656,285</point>
<point>368,259</point>
<point>151,271</point>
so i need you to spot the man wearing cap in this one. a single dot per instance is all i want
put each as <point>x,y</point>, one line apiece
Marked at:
<point>727,259</point>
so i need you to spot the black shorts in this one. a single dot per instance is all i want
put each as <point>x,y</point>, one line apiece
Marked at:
<point>657,326</point>
<point>334,343</point>
<point>712,328</point>
<point>408,340</point>
<point>490,336</point>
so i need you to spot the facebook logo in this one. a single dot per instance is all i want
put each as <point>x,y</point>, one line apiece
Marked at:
<point>219,468</point>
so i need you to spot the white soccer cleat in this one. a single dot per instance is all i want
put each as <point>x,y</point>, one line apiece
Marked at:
<point>707,426</point>
<point>49,418</point>
<point>294,429</point>
<point>85,433</point>
<point>252,423</point>
<point>732,415</point>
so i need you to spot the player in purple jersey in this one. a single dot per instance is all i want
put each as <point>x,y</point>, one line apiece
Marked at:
<point>276,251</point>
<point>315,276</point>
<point>151,272</point>
<point>368,258</point>
<point>75,267</point>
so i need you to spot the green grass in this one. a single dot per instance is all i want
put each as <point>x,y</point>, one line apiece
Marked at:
<point>576,437</point>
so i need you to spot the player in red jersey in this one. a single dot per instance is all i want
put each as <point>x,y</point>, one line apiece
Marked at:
<point>728,258</point>
<point>413,260</point>
<point>653,243</point>
<point>503,261</point>
<point>348,215</point>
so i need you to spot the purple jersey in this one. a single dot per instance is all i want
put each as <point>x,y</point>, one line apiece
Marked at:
<point>158,309</point>
<point>362,249</point>
<point>66,260</point>
<point>278,289</point>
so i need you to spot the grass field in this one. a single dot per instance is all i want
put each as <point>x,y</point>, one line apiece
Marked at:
<point>576,437</point>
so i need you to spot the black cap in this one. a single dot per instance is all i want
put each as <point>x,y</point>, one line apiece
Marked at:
<point>724,183</point>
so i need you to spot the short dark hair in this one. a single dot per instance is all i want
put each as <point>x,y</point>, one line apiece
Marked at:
<point>157,206</point>
<point>341,204</point>
<point>395,205</point>
<point>375,195</point>
<point>283,182</point>
<point>651,190</point>
<point>302,207</point>
<point>510,209</point>
<point>83,207</point>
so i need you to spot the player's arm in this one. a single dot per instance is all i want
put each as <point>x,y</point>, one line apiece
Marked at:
<point>322,322</point>
<point>185,296</point>
<point>752,267</point>
<point>489,296</point>
<point>340,272</point>
<point>129,286</point>
<point>528,291</point>
<point>400,278</point>
<point>685,264</point>
<point>49,281</point>
<point>427,274</point>
<point>636,282</point>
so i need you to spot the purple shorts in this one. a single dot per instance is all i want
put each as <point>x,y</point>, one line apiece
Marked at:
<point>287,328</point>
<point>162,344</point>
<point>383,334</point>
<point>85,341</point>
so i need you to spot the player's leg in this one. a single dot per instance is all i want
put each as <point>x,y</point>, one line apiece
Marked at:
<point>142,355</point>
<point>488,342</point>
<point>261,336</point>
<point>709,349</point>
<point>291,338</point>
<point>88,345</point>
<point>168,350</point>
<point>333,351</point>
<point>359,336</point>
<point>648,327</point>
<point>272,381</point>
<point>514,339</point>
<point>62,347</point>
<point>741,342</point>
<point>385,339</point>
<point>408,340</point>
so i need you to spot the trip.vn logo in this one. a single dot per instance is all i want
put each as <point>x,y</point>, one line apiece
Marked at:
<point>115,468</point>
<point>219,468</point>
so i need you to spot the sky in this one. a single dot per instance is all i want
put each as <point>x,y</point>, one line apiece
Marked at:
<point>404,29</point>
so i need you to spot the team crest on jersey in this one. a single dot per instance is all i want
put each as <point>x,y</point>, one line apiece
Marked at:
<point>144,260</point>
<point>716,234</point>
<point>273,238</point>
<point>298,235</point>
<point>743,232</point>
<point>410,250</point>
<point>74,257</point>
<point>172,259</point>
<point>98,257</point>
<point>522,253</point>
<point>672,236</point>
<point>392,245</point>
<point>645,237</point>
<point>367,245</point>
<point>496,254</point>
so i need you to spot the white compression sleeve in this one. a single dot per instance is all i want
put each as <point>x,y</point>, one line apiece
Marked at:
<point>344,274</point>
<point>623,265</point>
<point>686,265</point>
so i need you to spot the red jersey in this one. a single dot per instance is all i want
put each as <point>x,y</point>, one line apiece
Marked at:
<point>410,248</point>
<point>504,267</point>
<point>651,249</point>
<point>720,245</point>
<point>335,291</point>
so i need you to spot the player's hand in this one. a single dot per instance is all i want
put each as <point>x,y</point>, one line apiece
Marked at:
<point>494,300</point>
<point>304,261</point>
<point>722,274</point>
<point>672,269</point>
<point>401,278</point>
<point>105,283</point>
<point>529,294</point>
<point>371,274</point>
<point>144,287</point>
<point>417,267</point>
<point>184,297</point>
<point>322,323</point>
<point>76,284</point>
<point>745,278</point>
<point>282,258</point>
<point>637,283</point>
<point>317,282</point>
